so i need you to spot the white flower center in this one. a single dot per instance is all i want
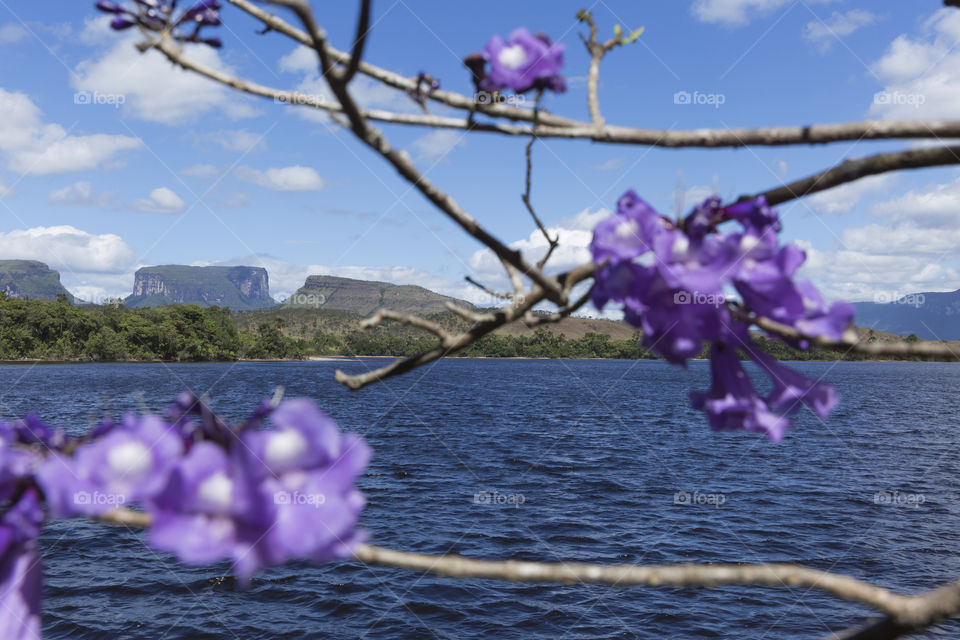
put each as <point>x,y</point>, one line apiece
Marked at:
<point>748,242</point>
<point>680,244</point>
<point>129,459</point>
<point>512,57</point>
<point>217,490</point>
<point>284,447</point>
<point>627,230</point>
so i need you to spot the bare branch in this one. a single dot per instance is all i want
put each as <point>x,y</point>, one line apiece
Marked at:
<point>562,313</point>
<point>363,29</point>
<point>466,314</point>
<point>498,318</point>
<point>851,170</point>
<point>553,126</point>
<point>852,342</point>
<point>488,290</point>
<point>411,320</point>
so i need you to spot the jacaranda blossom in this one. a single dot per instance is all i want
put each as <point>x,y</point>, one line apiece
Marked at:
<point>21,574</point>
<point>274,495</point>
<point>131,462</point>
<point>677,280</point>
<point>159,16</point>
<point>522,62</point>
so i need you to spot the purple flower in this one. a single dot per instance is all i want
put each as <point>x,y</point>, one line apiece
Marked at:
<point>732,403</point>
<point>278,494</point>
<point>130,463</point>
<point>21,575</point>
<point>120,23</point>
<point>523,62</point>
<point>790,389</point>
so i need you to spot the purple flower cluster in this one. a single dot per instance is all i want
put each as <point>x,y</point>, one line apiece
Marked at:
<point>521,63</point>
<point>675,280</point>
<point>257,496</point>
<point>158,15</point>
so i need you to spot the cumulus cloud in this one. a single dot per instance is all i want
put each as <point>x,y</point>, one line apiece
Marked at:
<point>295,178</point>
<point>824,33</point>
<point>161,200</point>
<point>933,207</point>
<point>30,146</point>
<point>5,191</point>
<point>154,89</point>
<point>844,198</point>
<point>437,145</point>
<point>921,73</point>
<point>574,234</point>
<point>67,248</point>
<point>737,12</point>
<point>845,274</point>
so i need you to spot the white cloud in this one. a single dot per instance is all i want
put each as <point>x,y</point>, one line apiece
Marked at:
<point>933,207</point>
<point>161,200</point>
<point>574,234</point>
<point>921,74</point>
<point>736,12</point>
<point>81,194</point>
<point>200,171</point>
<point>154,89</point>
<point>295,178</point>
<point>844,198</point>
<point>845,274</point>
<point>239,141</point>
<point>437,145</point>
<point>11,33</point>
<point>31,147</point>
<point>67,248</point>
<point>824,33</point>
<point>5,191</point>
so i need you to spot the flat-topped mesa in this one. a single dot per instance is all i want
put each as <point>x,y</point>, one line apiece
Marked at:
<point>240,288</point>
<point>31,279</point>
<point>366,296</point>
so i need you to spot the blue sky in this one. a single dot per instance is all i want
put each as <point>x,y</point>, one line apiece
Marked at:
<point>184,171</point>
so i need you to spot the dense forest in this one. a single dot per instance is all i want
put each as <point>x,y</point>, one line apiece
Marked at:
<point>46,330</point>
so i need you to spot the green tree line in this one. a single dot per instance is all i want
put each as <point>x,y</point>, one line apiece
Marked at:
<point>45,330</point>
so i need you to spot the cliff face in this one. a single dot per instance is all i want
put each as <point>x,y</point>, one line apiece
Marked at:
<point>240,288</point>
<point>31,279</point>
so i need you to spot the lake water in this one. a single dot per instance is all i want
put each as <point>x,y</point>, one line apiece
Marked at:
<point>595,450</point>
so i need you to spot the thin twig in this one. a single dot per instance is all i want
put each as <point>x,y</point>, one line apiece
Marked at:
<point>551,242</point>
<point>363,28</point>
<point>407,319</point>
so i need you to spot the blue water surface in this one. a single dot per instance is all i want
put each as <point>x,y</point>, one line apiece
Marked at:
<point>594,461</point>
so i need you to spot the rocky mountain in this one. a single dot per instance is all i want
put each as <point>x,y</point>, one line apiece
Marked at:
<point>240,288</point>
<point>930,316</point>
<point>31,279</point>
<point>366,296</point>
